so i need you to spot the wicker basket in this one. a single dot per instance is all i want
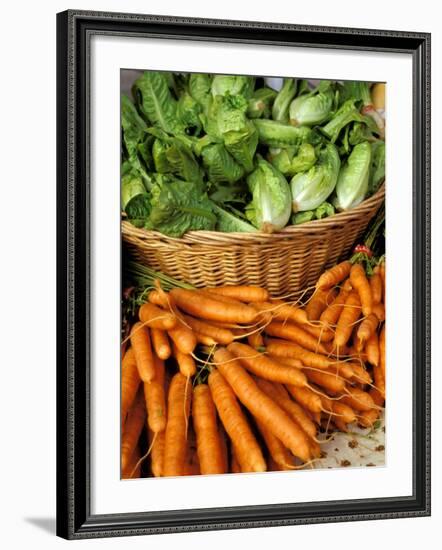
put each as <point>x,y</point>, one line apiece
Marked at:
<point>283,262</point>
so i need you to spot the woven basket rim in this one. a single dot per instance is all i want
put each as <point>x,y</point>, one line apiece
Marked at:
<point>313,226</point>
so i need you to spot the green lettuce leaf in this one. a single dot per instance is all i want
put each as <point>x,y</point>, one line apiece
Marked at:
<point>278,134</point>
<point>271,197</point>
<point>188,112</point>
<point>156,102</point>
<point>353,180</point>
<point>260,103</point>
<point>179,206</point>
<point>135,200</point>
<point>377,169</point>
<point>228,222</point>
<point>280,110</point>
<point>174,155</point>
<point>220,165</point>
<point>233,85</point>
<point>311,188</point>
<point>200,89</point>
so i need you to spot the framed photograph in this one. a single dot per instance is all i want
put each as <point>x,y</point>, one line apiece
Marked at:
<point>243,274</point>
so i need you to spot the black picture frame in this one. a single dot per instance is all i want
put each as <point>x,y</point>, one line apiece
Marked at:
<point>74,31</point>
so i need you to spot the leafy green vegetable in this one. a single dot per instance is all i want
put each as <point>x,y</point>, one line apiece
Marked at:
<point>353,179</point>
<point>377,169</point>
<point>314,107</point>
<point>193,149</point>
<point>188,112</point>
<point>289,165</point>
<point>304,160</point>
<point>179,206</point>
<point>348,112</point>
<point>280,110</point>
<point>199,88</point>
<point>135,200</point>
<point>260,103</point>
<point>228,223</point>
<point>278,134</point>
<point>233,85</point>
<point>220,165</point>
<point>356,90</point>
<point>302,217</point>
<point>271,197</point>
<point>156,102</point>
<point>227,121</point>
<point>311,188</point>
<point>174,155</point>
<point>324,210</point>
<point>135,138</point>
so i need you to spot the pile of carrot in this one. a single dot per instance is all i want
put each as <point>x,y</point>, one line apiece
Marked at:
<point>229,379</point>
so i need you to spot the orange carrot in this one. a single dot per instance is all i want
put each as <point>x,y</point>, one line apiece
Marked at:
<point>290,331</point>
<point>318,302</point>
<point>186,363</point>
<point>382,351</point>
<point>223,439</point>
<point>376,287</point>
<point>330,382</point>
<point>156,399</point>
<point>366,329</point>
<point>372,349</point>
<point>205,340</point>
<point>209,447</point>
<point>289,361</point>
<point>242,293</point>
<point>360,283</point>
<point>282,348</point>
<point>263,408</point>
<point>379,311</point>
<point>278,452</point>
<point>377,397</point>
<point>349,316</point>
<point>211,308</point>
<point>360,374</point>
<point>157,453</point>
<point>379,380</point>
<point>334,275</point>
<point>220,335</point>
<point>130,381</point>
<point>255,340</point>
<point>305,397</point>
<point>162,299</point>
<point>279,394</point>
<point>191,462</point>
<point>263,366</point>
<point>132,471</point>
<point>281,311</point>
<point>329,317</point>
<point>247,450</point>
<point>155,317</point>
<point>160,343</point>
<point>175,445</point>
<point>340,424</point>
<point>382,274</point>
<point>235,468</point>
<point>358,399</point>
<point>343,369</point>
<point>132,429</point>
<point>140,340</point>
<point>183,338</point>
<point>345,412</point>
<point>219,297</point>
<point>320,332</point>
<point>368,418</point>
